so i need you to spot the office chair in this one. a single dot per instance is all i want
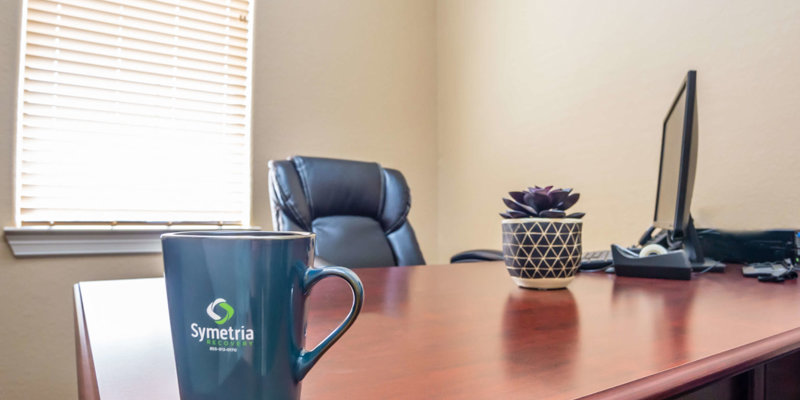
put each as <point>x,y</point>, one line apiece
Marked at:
<point>477,256</point>
<point>358,210</point>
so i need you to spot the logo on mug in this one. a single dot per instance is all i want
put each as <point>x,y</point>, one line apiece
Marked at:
<point>222,339</point>
<point>225,306</point>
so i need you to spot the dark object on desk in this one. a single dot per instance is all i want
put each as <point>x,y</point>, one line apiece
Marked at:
<point>358,210</point>
<point>771,271</point>
<point>744,247</point>
<point>672,265</point>
<point>478,255</point>
<point>595,260</point>
<point>778,276</point>
<point>590,261</point>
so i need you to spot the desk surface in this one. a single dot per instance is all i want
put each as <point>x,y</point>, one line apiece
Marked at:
<point>466,331</point>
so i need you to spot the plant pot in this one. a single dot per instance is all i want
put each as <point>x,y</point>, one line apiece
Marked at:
<point>542,253</point>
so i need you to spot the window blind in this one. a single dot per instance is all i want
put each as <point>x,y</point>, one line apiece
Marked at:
<point>134,111</point>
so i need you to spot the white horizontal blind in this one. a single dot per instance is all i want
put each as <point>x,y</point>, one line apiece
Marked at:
<point>134,111</point>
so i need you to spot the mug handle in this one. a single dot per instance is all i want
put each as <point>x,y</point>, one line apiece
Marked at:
<point>307,359</point>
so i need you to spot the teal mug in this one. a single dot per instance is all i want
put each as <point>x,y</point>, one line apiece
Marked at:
<point>237,309</point>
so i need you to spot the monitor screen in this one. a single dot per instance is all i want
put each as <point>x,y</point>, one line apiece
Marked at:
<point>678,160</point>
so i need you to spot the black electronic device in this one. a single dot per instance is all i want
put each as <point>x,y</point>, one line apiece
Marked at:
<point>676,172</point>
<point>744,247</point>
<point>596,260</point>
<point>771,271</point>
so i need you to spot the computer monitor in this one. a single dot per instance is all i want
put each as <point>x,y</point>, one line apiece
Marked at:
<point>677,170</point>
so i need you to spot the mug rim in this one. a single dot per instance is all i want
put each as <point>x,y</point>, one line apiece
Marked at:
<point>238,234</point>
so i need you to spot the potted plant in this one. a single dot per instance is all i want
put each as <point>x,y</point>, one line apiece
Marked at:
<point>541,242</point>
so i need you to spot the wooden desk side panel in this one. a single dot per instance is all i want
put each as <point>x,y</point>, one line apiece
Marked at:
<point>87,380</point>
<point>698,373</point>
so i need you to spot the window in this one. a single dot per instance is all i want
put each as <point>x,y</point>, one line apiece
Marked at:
<point>134,112</point>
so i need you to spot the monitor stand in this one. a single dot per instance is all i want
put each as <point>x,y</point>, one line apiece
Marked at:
<point>690,243</point>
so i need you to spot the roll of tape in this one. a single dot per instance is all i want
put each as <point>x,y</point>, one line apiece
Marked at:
<point>652,250</point>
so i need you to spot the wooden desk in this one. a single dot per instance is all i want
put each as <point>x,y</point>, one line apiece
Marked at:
<point>466,332</point>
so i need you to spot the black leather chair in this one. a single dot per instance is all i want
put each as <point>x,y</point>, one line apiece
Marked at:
<point>358,210</point>
<point>477,256</point>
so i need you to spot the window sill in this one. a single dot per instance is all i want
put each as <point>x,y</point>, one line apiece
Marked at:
<point>59,241</point>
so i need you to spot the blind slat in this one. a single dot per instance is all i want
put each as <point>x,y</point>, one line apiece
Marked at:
<point>100,127</point>
<point>195,8</point>
<point>210,6</point>
<point>146,11</point>
<point>74,49</point>
<point>131,69</point>
<point>184,49</point>
<point>167,136</point>
<point>110,22</point>
<point>43,82</point>
<point>196,110</point>
<point>133,116</point>
<point>123,75</point>
<point>98,29</point>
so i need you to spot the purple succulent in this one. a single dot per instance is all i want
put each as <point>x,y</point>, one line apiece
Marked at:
<point>544,202</point>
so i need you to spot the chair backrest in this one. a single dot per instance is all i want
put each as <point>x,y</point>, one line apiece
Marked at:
<point>358,210</point>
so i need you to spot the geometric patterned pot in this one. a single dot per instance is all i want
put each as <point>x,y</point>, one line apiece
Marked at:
<point>542,253</point>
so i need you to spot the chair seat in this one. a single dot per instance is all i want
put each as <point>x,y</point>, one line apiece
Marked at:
<point>353,241</point>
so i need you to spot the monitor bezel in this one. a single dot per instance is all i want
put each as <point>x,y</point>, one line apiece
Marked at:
<point>683,200</point>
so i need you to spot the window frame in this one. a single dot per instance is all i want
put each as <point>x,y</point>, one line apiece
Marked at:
<point>111,238</point>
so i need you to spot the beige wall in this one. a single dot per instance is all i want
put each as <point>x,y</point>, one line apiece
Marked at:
<point>574,94</point>
<point>351,80</point>
<point>354,80</point>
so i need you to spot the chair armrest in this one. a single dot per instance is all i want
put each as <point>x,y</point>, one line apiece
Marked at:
<point>476,256</point>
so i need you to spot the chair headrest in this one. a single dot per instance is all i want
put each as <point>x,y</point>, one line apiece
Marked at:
<point>340,187</point>
<point>313,187</point>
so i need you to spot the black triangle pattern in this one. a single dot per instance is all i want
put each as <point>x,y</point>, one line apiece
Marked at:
<point>542,248</point>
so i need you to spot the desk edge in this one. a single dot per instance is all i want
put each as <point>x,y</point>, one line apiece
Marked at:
<point>698,373</point>
<point>87,377</point>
